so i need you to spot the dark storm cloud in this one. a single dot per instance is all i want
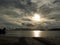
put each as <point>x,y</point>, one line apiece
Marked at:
<point>7,24</point>
<point>11,12</point>
<point>26,5</point>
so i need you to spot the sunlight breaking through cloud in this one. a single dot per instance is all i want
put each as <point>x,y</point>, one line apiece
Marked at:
<point>17,13</point>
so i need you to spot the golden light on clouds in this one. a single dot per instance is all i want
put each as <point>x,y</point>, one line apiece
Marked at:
<point>36,17</point>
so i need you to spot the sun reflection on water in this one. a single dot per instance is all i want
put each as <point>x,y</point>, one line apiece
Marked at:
<point>36,33</point>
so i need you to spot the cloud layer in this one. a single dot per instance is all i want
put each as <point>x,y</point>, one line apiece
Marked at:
<point>17,13</point>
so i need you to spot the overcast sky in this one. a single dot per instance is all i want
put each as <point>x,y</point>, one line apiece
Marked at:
<point>17,13</point>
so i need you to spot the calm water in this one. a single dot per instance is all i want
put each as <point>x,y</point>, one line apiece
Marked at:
<point>51,36</point>
<point>35,33</point>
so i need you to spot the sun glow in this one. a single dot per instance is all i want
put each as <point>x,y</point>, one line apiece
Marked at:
<point>37,33</point>
<point>36,17</point>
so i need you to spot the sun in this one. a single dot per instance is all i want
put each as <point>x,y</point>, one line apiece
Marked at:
<point>36,17</point>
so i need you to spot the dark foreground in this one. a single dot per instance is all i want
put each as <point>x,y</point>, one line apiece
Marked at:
<point>29,41</point>
<point>29,38</point>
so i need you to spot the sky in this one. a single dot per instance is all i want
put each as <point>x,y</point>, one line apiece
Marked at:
<point>18,13</point>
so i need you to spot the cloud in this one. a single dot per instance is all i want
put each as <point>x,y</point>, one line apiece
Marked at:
<point>50,9</point>
<point>15,12</point>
